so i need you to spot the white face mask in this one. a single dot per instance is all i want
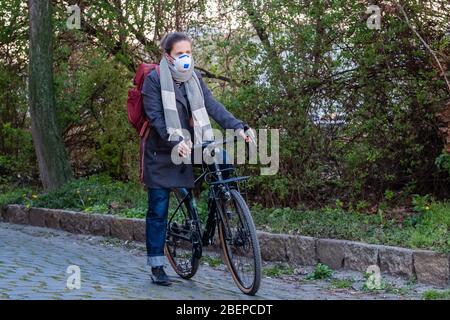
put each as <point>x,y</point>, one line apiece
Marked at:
<point>183,62</point>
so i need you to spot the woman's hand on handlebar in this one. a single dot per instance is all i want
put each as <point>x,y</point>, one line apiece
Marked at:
<point>184,148</point>
<point>246,137</point>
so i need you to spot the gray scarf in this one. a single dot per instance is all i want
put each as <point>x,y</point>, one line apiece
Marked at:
<point>202,125</point>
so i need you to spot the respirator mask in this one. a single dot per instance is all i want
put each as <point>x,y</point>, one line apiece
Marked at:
<point>183,62</point>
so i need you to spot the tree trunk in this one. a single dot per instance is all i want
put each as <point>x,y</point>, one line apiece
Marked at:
<point>54,168</point>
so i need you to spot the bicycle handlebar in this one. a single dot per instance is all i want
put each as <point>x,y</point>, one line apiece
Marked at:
<point>215,143</point>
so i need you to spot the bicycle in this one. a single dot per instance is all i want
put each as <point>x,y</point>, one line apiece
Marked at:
<point>228,212</point>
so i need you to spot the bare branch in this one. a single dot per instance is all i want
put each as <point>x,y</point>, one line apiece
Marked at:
<point>425,44</point>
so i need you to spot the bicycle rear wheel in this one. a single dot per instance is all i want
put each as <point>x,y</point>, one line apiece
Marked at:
<point>183,247</point>
<point>240,245</point>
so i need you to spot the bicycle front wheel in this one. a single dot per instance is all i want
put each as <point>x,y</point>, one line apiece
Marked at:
<point>240,245</point>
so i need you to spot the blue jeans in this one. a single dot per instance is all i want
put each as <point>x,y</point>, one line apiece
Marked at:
<point>156,225</point>
<point>156,218</point>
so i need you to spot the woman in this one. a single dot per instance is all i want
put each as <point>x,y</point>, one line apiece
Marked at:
<point>178,104</point>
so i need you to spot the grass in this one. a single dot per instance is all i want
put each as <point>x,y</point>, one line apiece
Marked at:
<point>346,283</point>
<point>403,291</point>
<point>426,226</point>
<point>436,295</point>
<point>370,285</point>
<point>278,270</point>
<point>212,261</point>
<point>320,272</point>
<point>99,194</point>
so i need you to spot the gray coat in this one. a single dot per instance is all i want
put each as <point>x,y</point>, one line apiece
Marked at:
<point>159,170</point>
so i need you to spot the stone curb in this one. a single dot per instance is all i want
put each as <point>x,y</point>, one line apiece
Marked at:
<point>427,266</point>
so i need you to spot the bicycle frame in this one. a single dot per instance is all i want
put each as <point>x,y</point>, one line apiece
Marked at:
<point>218,187</point>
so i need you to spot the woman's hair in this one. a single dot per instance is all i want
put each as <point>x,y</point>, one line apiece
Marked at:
<point>171,38</point>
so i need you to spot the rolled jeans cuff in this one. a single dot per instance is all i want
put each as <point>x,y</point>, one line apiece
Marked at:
<point>156,261</point>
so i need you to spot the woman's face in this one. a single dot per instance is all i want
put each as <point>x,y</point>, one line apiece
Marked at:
<point>179,48</point>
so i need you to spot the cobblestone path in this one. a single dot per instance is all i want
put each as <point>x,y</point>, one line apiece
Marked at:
<point>34,262</point>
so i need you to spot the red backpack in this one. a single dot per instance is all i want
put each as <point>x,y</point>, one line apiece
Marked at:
<point>136,113</point>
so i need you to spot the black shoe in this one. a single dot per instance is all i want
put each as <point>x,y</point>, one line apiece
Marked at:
<point>160,277</point>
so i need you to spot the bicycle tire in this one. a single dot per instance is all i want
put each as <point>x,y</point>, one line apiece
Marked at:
<point>246,217</point>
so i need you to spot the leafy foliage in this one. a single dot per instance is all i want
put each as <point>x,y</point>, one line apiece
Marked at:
<point>321,271</point>
<point>356,107</point>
